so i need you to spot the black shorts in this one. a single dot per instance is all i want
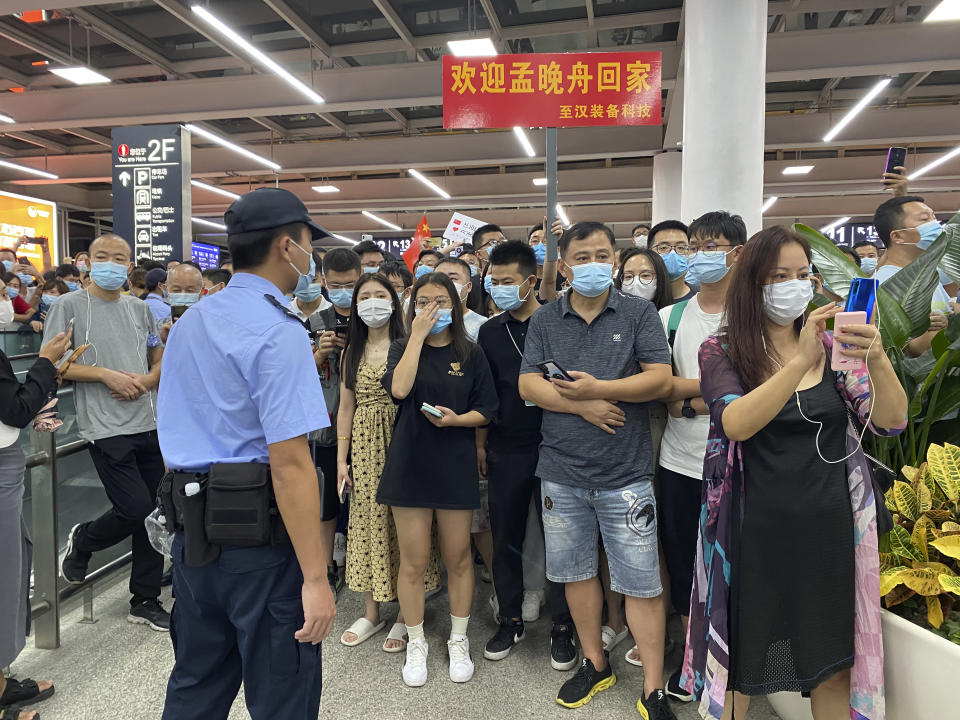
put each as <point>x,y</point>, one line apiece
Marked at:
<point>325,458</point>
<point>679,526</point>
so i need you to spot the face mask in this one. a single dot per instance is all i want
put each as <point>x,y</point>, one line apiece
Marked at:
<point>640,289</point>
<point>444,319</point>
<point>13,292</point>
<point>929,232</point>
<point>26,279</point>
<point>73,285</point>
<point>784,302</point>
<point>108,275</point>
<point>423,270</point>
<point>868,265</point>
<point>459,288</point>
<point>708,268</point>
<point>592,279</point>
<point>473,270</point>
<point>185,299</point>
<point>304,279</point>
<point>488,283</point>
<point>375,312</point>
<point>49,300</point>
<point>676,264</point>
<point>311,293</point>
<point>82,266</point>
<point>541,252</point>
<point>341,297</point>
<point>6,313</point>
<point>371,270</point>
<point>640,241</point>
<point>507,297</point>
<point>8,265</point>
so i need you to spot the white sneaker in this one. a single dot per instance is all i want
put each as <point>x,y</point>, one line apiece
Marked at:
<point>461,664</point>
<point>415,668</point>
<point>533,600</point>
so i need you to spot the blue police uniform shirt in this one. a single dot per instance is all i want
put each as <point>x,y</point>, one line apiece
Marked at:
<point>238,375</point>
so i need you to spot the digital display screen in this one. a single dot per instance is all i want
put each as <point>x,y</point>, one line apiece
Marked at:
<point>206,256</point>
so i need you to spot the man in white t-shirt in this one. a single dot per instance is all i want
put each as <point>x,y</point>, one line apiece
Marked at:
<point>459,272</point>
<point>716,239</point>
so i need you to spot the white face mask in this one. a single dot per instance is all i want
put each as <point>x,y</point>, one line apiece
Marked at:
<point>375,312</point>
<point>6,310</point>
<point>784,302</point>
<point>640,241</point>
<point>641,289</point>
<point>459,288</point>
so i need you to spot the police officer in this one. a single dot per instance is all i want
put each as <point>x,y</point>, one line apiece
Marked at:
<point>240,387</point>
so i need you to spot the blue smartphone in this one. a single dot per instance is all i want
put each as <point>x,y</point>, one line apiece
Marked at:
<point>863,295</point>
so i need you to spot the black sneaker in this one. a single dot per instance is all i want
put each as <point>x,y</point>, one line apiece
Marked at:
<point>335,579</point>
<point>580,689</point>
<point>563,651</point>
<point>74,564</point>
<point>150,612</point>
<point>675,690</point>
<point>655,707</point>
<point>509,634</point>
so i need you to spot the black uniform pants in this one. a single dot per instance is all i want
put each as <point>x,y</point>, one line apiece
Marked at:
<point>130,468</point>
<point>513,481</point>
<point>234,620</point>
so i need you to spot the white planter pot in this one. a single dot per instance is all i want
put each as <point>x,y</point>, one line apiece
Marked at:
<point>920,675</point>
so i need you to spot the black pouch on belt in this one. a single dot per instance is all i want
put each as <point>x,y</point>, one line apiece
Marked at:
<point>238,504</point>
<point>165,501</point>
<point>197,548</point>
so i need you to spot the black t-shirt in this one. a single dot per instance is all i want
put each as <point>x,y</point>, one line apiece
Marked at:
<point>428,466</point>
<point>516,425</point>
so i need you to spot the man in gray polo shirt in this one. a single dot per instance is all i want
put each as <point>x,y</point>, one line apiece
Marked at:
<point>596,456</point>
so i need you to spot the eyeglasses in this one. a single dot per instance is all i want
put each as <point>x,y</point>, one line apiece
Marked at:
<point>425,302</point>
<point>666,248</point>
<point>709,248</point>
<point>340,286</point>
<point>645,277</point>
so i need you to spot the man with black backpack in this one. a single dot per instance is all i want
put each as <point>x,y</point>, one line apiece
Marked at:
<point>716,239</point>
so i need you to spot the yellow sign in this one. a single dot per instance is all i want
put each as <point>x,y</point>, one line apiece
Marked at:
<point>21,215</point>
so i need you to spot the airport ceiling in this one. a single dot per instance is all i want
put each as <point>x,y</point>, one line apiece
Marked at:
<point>377,64</point>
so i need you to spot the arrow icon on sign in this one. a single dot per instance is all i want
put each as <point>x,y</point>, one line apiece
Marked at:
<point>124,178</point>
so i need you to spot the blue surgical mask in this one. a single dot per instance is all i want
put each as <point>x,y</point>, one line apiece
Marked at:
<point>507,297</point>
<point>341,297</point>
<point>73,285</point>
<point>49,300</point>
<point>487,284</point>
<point>592,279</point>
<point>868,265</point>
<point>187,299</point>
<point>26,279</point>
<point>540,250</point>
<point>708,268</point>
<point>676,264</point>
<point>444,319</point>
<point>304,279</point>
<point>8,265</point>
<point>311,293</point>
<point>13,292</point>
<point>423,270</point>
<point>473,270</point>
<point>372,270</point>
<point>929,232</point>
<point>108,275</point>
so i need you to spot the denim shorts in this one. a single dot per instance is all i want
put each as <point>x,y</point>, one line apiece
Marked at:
<point>626,518</point>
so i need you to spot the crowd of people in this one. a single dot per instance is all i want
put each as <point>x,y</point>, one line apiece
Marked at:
<point>658,426</point>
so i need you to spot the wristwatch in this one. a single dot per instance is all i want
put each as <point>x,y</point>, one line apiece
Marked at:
<point>687,410</point>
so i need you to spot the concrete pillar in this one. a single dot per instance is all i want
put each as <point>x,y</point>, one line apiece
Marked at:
<point>725,59</point>
<point>667,184</point>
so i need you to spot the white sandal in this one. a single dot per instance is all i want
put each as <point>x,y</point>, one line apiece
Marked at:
<point>397,632</point>
<point>363,629</point>
<point>610,638</point>
<point>630,659</point>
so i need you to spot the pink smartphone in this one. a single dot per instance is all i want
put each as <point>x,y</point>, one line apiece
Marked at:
<point>839,361</point>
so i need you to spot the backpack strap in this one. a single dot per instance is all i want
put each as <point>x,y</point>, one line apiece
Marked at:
<point>673,322</point>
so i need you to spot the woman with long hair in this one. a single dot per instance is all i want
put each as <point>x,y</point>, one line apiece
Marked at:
<point>445,390</point>
<point>785,592</point>
<point>642,273</point>
<point>365,419</point>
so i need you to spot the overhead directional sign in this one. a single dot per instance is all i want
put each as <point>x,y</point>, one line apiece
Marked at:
<point>151,190</point>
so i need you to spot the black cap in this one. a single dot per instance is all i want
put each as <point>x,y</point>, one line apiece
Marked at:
<point>155,277</point>
<point>267,208</point>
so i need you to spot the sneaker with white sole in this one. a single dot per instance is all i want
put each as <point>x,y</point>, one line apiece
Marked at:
<point>415,667</point>
<point>508,634</point>
<point>533,600</point>
<point>461,664</point>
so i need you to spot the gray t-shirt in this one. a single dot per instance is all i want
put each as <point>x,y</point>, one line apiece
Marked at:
<point>626,333</point>
<point>120,333</point>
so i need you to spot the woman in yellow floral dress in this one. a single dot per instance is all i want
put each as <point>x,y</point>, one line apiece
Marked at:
<point>366,417</point>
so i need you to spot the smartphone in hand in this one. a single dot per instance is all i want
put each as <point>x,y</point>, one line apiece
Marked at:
<point>426,407</point>
<point>896,157</point>
<point>552,371</point>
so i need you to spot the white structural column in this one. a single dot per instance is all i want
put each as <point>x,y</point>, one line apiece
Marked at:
<point>667,173</point>
<point>724,64</point>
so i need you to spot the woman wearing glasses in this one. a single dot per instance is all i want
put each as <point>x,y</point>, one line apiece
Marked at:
<point>643,274</point>
<point>444,389</point>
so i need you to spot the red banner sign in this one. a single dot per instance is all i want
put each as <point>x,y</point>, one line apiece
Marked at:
<point>552,90</point>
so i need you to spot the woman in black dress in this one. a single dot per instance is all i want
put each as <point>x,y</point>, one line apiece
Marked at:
<point>431,466</point>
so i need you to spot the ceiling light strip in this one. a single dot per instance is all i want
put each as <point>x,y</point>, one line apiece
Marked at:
<point>213,137</point>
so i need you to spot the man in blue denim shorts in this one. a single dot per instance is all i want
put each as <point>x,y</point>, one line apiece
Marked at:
<point>592,361</point>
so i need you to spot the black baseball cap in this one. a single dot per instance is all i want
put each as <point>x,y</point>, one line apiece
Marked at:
<point>267,208</point>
